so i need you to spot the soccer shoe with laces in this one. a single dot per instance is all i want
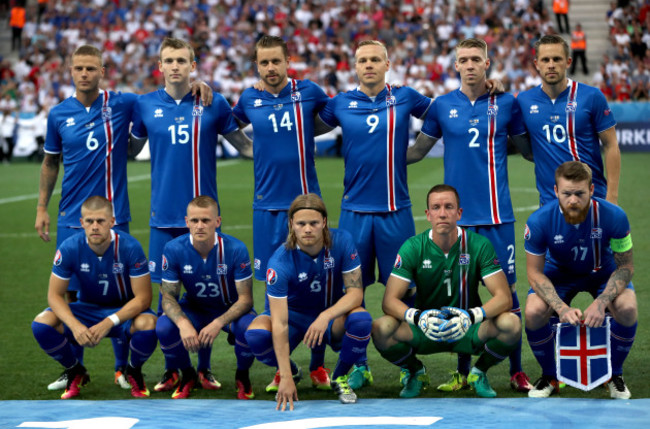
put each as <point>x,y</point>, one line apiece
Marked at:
<point>360,376</point>
<point>242,393</point>
<point>341,387</point>
<point>617,388</point>
<point>458,381</point>
<point>520,382</point>
<point>207,380</point>
<point>77,377</point>
<point>169,381</point>
<point>479,381</point>
<point>120,379</point>
<point>185,387</point>
<point>59,383</point>
<point>320,378</point>
<point>413,383</point>
<point>136,380</point>
<point>544,387</point>
<point>273,385</point>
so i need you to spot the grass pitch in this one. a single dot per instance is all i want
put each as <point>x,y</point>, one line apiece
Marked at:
<point>25,263</point>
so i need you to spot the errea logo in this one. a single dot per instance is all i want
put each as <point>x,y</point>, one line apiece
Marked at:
<point>187,269</point>
<point>453,113</point>
<point>69,122</point>
<point>257,103</point>
<point>353,105</point>
<point>302,277</point>
<point>426,263</point>
<point>158,113</point>
<point>85,268</point>
<point>558,239</point>
<point>534,109</point>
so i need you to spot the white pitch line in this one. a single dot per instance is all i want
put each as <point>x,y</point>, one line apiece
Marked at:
<point>131,179</point>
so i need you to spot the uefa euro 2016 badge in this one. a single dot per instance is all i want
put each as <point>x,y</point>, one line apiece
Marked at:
<point>295,96</point>
<point>492,110</point>
<point>463,259</point>
<point>390,100</point>
<point>197,111</point>
<point>571,106</point>
<point>107,112</point>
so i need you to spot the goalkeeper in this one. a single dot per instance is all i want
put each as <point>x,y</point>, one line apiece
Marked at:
<point>447,264</point>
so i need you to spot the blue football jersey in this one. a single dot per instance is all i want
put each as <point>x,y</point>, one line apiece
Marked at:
<point>183,144</point>
<point>209,283</point>
<point>375,140</point>
<point>311,285</point>
<point>104,280</point>
<point>93,144</point>
<point>566,129</point>
<point>283,132</point>
<point>476,151</point>
<point>576,250</point>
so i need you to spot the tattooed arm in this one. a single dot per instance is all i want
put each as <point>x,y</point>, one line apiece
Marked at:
<point>618,281</point>
<point>49,174</point>
<point>546,291</point>
<point>170,293</point>
<point>352,299</point>
<point>243,305</point>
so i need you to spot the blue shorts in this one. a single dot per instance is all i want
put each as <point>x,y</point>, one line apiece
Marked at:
<point>200,317</point>
<point>91,314</point>
<point>502,238</point>
<point>298,325</point>
<point>378,236</point>
<point>270,229</point>
<point>568,287</point>
<point>65,232</point>
<point>158,237</point>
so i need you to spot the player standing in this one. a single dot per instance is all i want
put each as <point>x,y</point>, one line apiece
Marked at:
<point>282,116</point>
<point>314,294</point>
<point>90,132</point>
<point>584,245</point>
<point>447,264</point>
<point>567,121</point>
<point>475,126</point>
<point>114,298</point>
<point>215,270</point>
<point>376,208</point>
<point>182,135</point>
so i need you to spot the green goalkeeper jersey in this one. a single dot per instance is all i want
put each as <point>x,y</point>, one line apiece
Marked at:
<point>446,280</point>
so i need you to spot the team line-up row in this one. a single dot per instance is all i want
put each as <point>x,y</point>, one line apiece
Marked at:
<point>562,120</point>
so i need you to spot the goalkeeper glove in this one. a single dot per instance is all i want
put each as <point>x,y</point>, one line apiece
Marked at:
<point>460,321</point>
<point>432,323</point>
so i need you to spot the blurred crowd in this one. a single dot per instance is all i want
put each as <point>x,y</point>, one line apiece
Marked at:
<point>322,35</point>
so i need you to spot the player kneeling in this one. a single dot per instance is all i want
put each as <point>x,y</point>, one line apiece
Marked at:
<point>114,298</point>
<point>314,294</point>
<point>447,264</point>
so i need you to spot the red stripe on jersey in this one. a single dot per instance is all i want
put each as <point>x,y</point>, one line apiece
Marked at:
<point>571,120</point>
<point>300,133</point>
<point>596,234</point>
<point>492,171</point>
<point>223,279</point>
<point>196,141</point>
<point>390,141</point>
<point>108,163</point>
<point>119,277</point>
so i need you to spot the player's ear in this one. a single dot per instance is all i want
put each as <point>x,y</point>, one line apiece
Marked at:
<point>460,212</point>
<point>187,223</point>
<point>557,194</point>
<point>112,221</point>
<point>218,221</point>
<point>591,190</point>
<point>487,63</point>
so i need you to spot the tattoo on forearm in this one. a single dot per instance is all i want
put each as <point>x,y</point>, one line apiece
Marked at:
<point>620,278</point>
<point>170,305</point>
<point>49,174</point>
<point>546,291</point>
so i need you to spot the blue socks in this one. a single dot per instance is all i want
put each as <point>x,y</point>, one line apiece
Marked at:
<point>56,345</point>
<point>355,341</point>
